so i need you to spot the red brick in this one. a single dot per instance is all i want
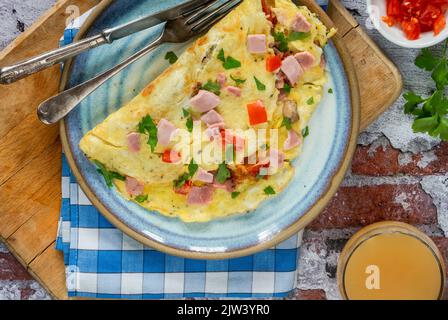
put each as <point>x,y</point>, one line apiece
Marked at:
<point>361,206</point>
<point>316,294</point>
<point>382,161</point>
<point>438,166</point>
<point>11,269</point>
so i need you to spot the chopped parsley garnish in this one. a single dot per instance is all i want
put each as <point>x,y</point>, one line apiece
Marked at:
<point>287,88</point>
<point>229,62</point>
<point>108,176</point>
<point>306,132</point>
<point>181,180</point>
<point>294,35</point>
<point>147,126</point>
<point>223,173</point>
<point>238,81</point>
<point>192,168</point>
<point>269,190</point>
<point>330,90</point>
<point>287,123</point>
<point>189,123</point>
<point>141,198</point>
<point>260,85</point>
<point>171,57</point>
<point>310,101</point>
<point>282,41</point>
<point>235,194</point>
<point>212,86</point>
<point>221,55</point>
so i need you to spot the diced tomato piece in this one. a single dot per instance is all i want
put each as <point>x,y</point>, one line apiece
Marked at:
<point>257,113</point>
<point>439,24</point>
<point>411,28</point>
<point>229,139</point>
<point>185,189</point>
<point>254,169</point>
<point>171,157</point>
<point>417,16</point>
<point>390,21</point>
<point>273,63</point>
<point>393,8</point>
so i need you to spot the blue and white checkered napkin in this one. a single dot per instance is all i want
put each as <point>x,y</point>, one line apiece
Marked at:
<point>103,262</point>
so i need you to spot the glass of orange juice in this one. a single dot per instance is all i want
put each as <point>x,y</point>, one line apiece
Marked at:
<point>391,261</point>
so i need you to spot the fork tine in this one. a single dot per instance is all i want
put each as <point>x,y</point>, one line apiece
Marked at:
<point>197,12</point>
<point>210,19</point>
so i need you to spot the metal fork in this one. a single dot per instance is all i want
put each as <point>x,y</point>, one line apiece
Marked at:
<point>178,30</point>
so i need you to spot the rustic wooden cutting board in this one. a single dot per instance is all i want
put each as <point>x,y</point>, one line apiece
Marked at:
<point>30,153</point>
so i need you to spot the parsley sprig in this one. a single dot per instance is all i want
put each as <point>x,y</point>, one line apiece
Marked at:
<point>192,168</point>
<point>283,40</point>
<point>228,62</point>
<point>108,176</point>
<point>431,113</point>
<point>147,126</point>
<point>212,86</point>
<point>171,57</point>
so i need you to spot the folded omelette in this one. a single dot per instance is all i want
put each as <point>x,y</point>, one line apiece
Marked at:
<point>214,135</point>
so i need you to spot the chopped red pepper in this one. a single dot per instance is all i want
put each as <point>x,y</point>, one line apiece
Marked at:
<point>417,16</point>
<point>171,157</point>
<point>273,63</point>
<point>439,24</point>
<point>257,113</point>
<point>185,189</point>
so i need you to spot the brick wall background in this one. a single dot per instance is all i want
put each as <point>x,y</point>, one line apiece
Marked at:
<point>395,175</point>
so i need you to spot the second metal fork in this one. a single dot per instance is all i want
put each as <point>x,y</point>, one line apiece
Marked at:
<point>177,30</point>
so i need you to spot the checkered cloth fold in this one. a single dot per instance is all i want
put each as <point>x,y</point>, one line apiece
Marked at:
<point>103,262</point>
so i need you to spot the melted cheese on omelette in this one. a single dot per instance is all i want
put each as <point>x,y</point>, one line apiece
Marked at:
<point>149,176</point>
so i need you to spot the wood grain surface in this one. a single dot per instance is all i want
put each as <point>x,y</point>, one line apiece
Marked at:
<point>30,162</point>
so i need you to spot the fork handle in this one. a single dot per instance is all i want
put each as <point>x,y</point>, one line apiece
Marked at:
<point>58,106</point>
<point>25,68</point>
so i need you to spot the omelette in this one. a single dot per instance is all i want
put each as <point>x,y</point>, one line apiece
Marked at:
<point>214,135</point>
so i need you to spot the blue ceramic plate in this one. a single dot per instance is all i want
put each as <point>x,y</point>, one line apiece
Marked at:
<point>327,151</point>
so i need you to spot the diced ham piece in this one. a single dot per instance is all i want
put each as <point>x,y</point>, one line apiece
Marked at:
<point>292,141</point>
<point>234,90</point>
<point>221,78</point>
<point>205,101</point>
<point>213,131</point>
<point>276,158</point>
<point>134,141</point>
<point>228,186</point>
<point>200,195</point>
<point>256,43</point>
<point>133,186</point>
<point>300,24</point>
<point>305,59</point>
<point>165,130</point>
<point>212,117</point>
<point>292,69</point>
<point>203,176</point>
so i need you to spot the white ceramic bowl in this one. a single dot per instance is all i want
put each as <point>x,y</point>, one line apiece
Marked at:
<point>377,9</point>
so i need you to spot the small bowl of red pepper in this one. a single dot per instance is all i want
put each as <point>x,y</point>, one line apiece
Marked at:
<point>410,23</point>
